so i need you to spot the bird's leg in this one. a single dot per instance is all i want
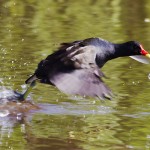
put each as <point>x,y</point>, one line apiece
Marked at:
<point>24,96</point>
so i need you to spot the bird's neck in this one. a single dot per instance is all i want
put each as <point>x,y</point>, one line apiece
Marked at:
<point>121,50</point>
<point>111,52</point>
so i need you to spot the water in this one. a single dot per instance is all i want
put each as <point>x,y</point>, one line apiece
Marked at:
<point>30,30</point>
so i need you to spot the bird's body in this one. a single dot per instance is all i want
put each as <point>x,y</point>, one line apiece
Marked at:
<point>75,67</point>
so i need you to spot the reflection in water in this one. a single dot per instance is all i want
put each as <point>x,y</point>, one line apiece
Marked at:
<point>17,115</point>
<point>30,30</point>
<point>53,143</point>
<point>45,134</point>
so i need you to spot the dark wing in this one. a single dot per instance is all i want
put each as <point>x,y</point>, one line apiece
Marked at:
<point>72,69</point>
<point>85,82</point>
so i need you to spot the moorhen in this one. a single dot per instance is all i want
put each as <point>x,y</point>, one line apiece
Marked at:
<point>74,68</point>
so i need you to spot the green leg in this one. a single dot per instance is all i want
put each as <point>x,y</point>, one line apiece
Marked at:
<point>24,96</point>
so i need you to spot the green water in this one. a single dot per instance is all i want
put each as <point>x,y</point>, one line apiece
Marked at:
<point>32,29</point>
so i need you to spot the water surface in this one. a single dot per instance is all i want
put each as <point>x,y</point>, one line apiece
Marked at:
<point>30,30</point>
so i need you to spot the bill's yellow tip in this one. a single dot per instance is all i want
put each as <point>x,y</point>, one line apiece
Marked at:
<point>147,55</point>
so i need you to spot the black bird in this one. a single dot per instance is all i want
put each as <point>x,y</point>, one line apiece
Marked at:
<point>74,68</point>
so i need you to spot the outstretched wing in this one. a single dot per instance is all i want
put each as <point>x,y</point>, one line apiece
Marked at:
<point>85,82</point>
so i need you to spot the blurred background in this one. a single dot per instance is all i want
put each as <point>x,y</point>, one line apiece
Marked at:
<point>32,29</point>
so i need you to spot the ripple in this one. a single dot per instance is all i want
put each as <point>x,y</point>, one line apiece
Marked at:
<point>71,109</point>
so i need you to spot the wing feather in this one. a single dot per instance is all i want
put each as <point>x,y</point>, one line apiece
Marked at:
<point>81,82</point>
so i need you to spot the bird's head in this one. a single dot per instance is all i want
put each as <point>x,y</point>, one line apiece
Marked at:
<point>136,51</point>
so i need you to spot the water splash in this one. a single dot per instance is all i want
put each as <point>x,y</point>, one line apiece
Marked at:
<point>4,113</point>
